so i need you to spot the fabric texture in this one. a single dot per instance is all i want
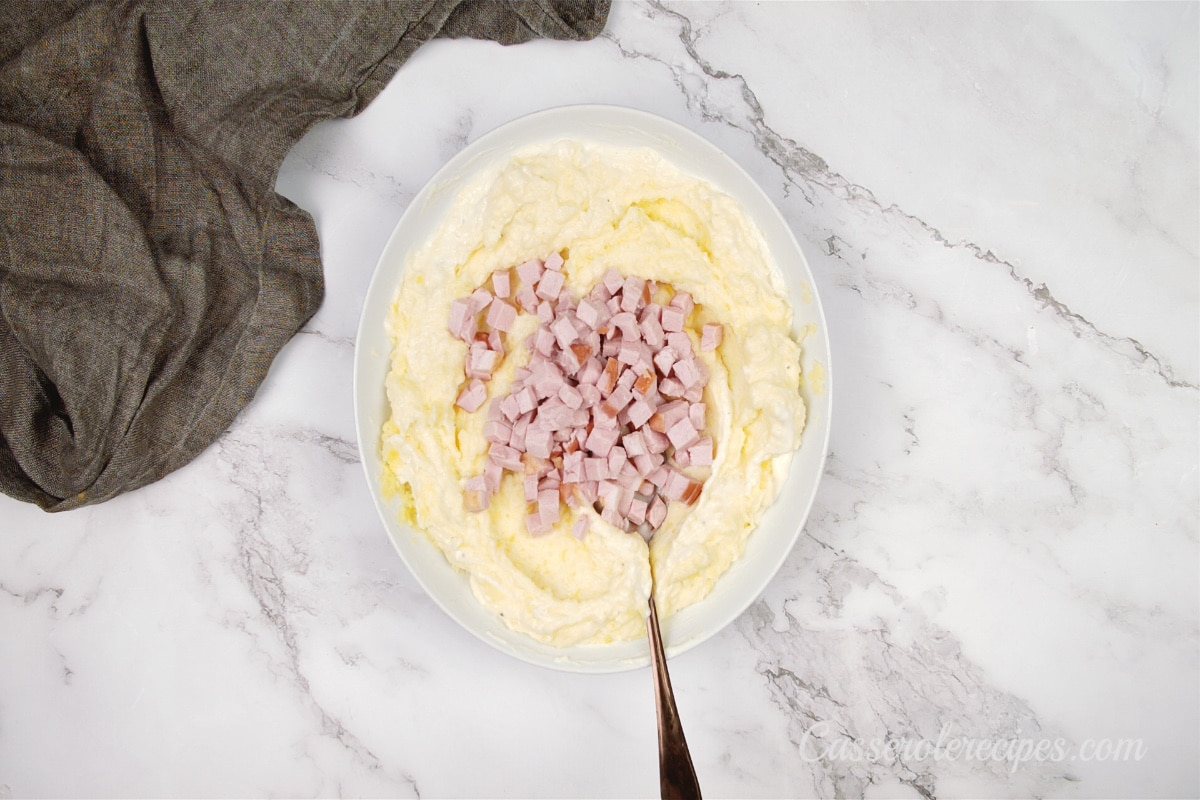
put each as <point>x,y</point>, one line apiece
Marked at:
<point>148,271</point>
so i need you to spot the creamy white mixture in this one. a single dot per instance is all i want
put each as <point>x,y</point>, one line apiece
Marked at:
<point>605,207</point>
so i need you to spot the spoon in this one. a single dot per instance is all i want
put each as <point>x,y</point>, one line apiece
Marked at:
<point>676,775</point>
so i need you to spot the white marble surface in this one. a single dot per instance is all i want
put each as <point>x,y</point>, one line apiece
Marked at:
<point>999,203</point>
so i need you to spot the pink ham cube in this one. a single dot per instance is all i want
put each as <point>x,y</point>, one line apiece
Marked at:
<point>502,283</point>
<point>550,284</point>
<point>501,315</point>
<point>472,396</point>
<point>711,335</point>
<point>672,319</point>
<point>530,272</point>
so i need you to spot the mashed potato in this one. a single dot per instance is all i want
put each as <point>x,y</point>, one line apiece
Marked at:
<point>606,207</point>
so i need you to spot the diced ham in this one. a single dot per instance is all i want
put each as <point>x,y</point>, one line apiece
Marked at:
<point>634,444</point>
<point>680,342</point>
<point>501,315</point>
<point>612,516</point>
<point>591,393</point>
<point>611,345</point>
<point>591,313</point>
<point>637,510</point>
<point>580,528</point>
<point>634,353</point>
<point>589,373</point>
<point>530,271</point>
<point>479,300</point>
<point>625,501</point>
<point>612,280</point>
<point>537,441</point>
<point>646,463</point>
<point>681,487</point>
<point>527,299</point>
<point>573,469</point>
<point>611,386</point>
<point>595,469</point>
<point>645,384</point>
<point>506,456</point>
<point>555,415</point>
<point>564,332</point>
<point>655,442</point>
<point>549,285</point>
<point>526,399</point>
<point>627,324</point>
<point>460,312</point>
<point>570,396</point>
<point>711,335</point>
<point>657,513</point>
<point>668,414</point>
<point>683,458</point>
<point>502,283</point>
<point>475,494</point>
<point>589,490</point>
<point>470,328</point>
<point>608,379</point>
<point>532,465</point>
<point>576,356</point>
<point>472,396</point>
<point>628,376</point>
<point>684,302</point>
<point>687,372</point>
<point>547,381</point>
<point>631,293</point>
<point>536,525</point>
<point>601,440</point>
<point>492,473</point>
<point>547,503</point>
<point>616,459</point>
<point>664,359</point>
<point>675,485</point>
<point>701,453</point>
<point>510,408</point>
<point>639,412</point>
<point>543,341</point>
<point>682,434</point>
<point>520,426</point>
<point>652,330</point>
<point>672,319</point>
<point>497,430</point>
<point>658,477</point>
<point>616,400</point>
<point>671,387</point>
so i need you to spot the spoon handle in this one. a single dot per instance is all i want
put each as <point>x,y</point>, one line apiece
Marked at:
<point>676,775</point>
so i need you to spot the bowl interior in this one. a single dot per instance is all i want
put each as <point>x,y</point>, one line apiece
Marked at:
<point>767,546</point>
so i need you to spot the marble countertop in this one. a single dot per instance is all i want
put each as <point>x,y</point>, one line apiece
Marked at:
<point>996,593</point>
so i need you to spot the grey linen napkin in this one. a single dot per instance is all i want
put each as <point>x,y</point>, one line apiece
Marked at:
<point>148,271</point>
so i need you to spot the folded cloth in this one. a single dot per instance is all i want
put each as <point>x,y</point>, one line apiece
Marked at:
<point>148,271</point>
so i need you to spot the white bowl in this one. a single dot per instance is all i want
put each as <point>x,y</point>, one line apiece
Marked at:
<point>767,546</point>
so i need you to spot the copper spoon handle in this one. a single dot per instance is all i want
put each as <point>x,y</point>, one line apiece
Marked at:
<point>676,775</point>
